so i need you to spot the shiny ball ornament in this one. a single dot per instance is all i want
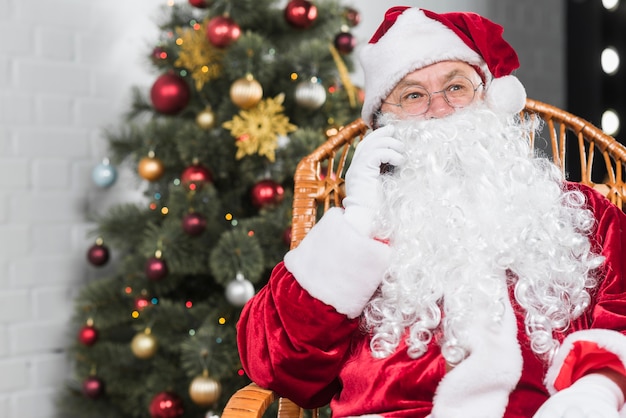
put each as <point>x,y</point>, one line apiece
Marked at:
<point>266,193</point>
<point>310,94</point>
<point>93,387</point>
<point>222,31</point>
<point>88,335</point>
<point>194,224</point>
<point>166,405</point>
<point>200,4</point>
<point>246,92</point>
<point>204,390</point>
<point>287,236</point>
<point>300,14</point>
<point>144,345</point>
<point>150,168</point>
<point>239,291</point>
<point>98,254</point>
<point>345,42</point>
<point>155,269</point>
<point>104,174</point>
<point>196,174</point>
<point>170,94</point>
<point>206,119</point>
<point>353,17</point>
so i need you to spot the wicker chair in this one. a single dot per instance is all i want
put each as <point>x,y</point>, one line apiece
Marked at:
<point>319,186</point>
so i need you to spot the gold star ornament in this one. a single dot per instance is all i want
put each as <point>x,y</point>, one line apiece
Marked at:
<point>197,55</point>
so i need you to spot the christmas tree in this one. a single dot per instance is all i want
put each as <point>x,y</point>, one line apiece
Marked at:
<point>242,90</point>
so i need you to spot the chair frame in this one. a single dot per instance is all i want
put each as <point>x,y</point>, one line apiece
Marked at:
<point>318,185</point>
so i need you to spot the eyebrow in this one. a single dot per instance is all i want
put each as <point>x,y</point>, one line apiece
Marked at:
<point>449,75</point>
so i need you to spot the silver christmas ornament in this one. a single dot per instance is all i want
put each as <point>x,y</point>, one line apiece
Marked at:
<point>239,291</point>
<point>310,94</point>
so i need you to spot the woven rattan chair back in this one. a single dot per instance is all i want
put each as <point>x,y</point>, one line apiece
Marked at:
<point>599,162</point>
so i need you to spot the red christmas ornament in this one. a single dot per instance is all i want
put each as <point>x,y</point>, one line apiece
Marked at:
<point>166,405</point>
<point>267,193</point>
<point>156,269</point>
<point>170,94</point>
<point>93,387</point>
<point>222,31</point>
<point>194,224</point>
<point>345,42</point>
<point>196,174</point>
<point>98,255</point>
<point>287,236</point>
<point>300,13</point>
<point>352,16</point>
<point>88,335</point>
<point>200,4</point>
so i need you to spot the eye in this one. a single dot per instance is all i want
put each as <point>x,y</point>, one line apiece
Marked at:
<point>414,94</point>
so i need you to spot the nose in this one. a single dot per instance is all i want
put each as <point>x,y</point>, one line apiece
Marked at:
<point>439,107</point>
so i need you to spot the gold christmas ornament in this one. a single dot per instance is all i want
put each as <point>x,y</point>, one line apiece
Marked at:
<point>144,345</point>
<point>199,57</point>
<point>257,129</point>
<point>204,390</point>
<point>206,118</point>
<point>150,167</point>
<point>246,92</point>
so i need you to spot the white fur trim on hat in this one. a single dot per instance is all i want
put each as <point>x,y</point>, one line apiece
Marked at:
<point>506,94</point>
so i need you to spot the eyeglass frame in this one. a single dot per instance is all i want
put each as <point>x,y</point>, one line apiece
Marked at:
<point>430,96</point>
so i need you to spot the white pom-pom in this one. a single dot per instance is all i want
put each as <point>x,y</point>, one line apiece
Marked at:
<point>506,94</point>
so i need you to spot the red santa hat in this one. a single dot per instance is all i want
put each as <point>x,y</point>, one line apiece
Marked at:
<point>411,38</point>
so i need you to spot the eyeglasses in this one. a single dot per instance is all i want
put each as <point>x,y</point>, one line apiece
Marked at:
<point>458,92</point>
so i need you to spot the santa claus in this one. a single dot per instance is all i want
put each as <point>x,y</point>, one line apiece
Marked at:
<point>466,279</point>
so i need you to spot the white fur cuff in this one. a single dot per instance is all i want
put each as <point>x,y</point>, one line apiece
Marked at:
<point>608,340</point>
<point>337,265</point>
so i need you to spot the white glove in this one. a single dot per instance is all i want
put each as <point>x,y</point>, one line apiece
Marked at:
<point>591,396</point>
<point>363,179</point>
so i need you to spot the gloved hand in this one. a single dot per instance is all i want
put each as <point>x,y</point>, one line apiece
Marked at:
<point>363,178</point>
<point>591,396</point>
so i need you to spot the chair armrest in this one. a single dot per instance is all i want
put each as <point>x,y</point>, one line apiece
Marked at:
<point>252,401</point>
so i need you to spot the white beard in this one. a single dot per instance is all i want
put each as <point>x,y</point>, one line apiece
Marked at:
<point>472,203</point>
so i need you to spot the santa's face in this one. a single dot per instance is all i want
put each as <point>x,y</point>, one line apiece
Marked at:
<point>434,91</point>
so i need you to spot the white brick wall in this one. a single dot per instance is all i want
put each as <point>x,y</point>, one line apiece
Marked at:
<point>66,67</point>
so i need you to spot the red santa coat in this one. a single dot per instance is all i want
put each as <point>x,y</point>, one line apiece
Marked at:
<point>300,336</point>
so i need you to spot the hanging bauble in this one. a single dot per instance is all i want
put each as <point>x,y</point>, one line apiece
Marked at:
<point>150,167</point>
<point>88,334</point>
<point>196,175</point>
<point>93,387</point>
<point>246,92</point>
<point>200,4</point>
<point>98,254</point>
<point>345,42</point>
<point>156,268</point>
<point>266,193</point>
<point>222,31</point>
<point>239,290</point>
<point>194,224</point>
<point>353,17</point>
<point>158,54</point>
<point>104,174</point>
<point>170,94</point>
<point>144,345</point>
<point>206,118</point>
<point>166,405</point>
<point>310,94</point>
<point>204,390</point>
<point>300,13</point>
<point>287,236</point>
